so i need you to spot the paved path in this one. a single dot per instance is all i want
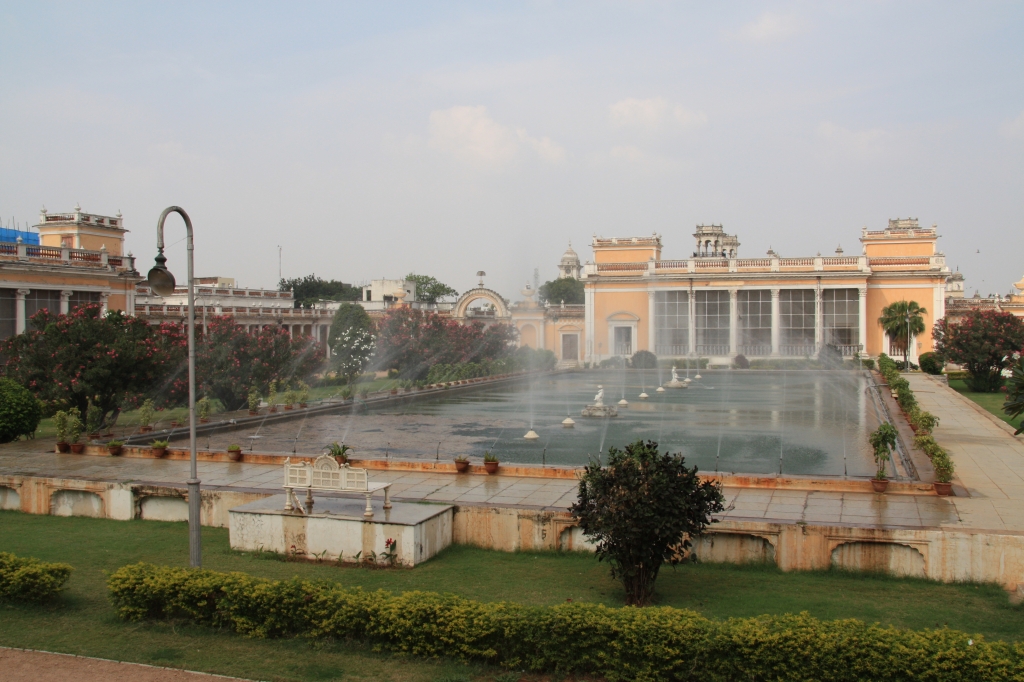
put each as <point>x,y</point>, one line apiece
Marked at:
<point>19,665</point>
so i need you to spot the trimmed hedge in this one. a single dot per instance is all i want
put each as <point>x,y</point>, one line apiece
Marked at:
<point>20,412</point>
<point>923,422</point>
<point>649,644</point>
<point>29,579</point>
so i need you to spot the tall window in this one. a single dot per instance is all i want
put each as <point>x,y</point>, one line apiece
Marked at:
<point>796,321</point>
<point>712,321</point>
<point>671,323</point>
<point>80,298</point>
<point>755,321</point>
<point>840,311</point>
<point>8,311</point>
<point>39,299</point>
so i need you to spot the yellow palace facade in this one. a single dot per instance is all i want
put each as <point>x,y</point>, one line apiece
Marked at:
<point>717,305</point>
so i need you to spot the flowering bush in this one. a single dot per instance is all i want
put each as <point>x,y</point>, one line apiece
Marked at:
<point>982,342</point>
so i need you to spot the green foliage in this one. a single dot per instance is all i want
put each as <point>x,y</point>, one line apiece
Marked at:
<point>302,392</point>
<point>429,290</point>
<point>253,398</point>
<point>924,422</point>
<point>339,451</point>
<point>60,425</point>
<point>20,412</point>
<point>93,418</point>
<point>28,579</point>
<point>203,407</point>
<point>642,510</point>
<point>488,457</point>
<point>146,412</point>
<point>741,362</point>
<point>614,362</point>
<point>883,439</point>
<point>651,644</point>
<point>983,342</point>
<point>309,289</point>
<point>74,425</point>
<point>931,363</point>
<point>563,289</point>
<point>894,321</point>
<point>941,462</point>
<point>115,443</point>
<point>644,359</point>
<point>159,443</point>
<point>1014,405</point>
<point>868,363</point>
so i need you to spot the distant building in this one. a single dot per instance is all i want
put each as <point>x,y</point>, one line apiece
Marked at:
<point>569,266</point>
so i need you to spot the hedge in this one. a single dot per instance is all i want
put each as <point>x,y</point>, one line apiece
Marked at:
<point>649,644</point>
<point>30,579</point>
<point>923,422</point>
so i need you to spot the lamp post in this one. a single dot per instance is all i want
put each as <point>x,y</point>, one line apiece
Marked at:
<point>907,358</point>
<point>161,281</point>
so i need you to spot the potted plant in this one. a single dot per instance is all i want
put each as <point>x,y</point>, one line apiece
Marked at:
<point>461,464</point>
<point>943,473</point>
<point>272,397</point>
<point>490,462</point>
<point>203,409</point>
<point>303,394</point>
<point>235,453</point>
<point>60,422</point>
<point>363,393</point>
<point>346,393</point>
<point>394,390</point>
<point>75,430</point>
<point>923,422</point>
<point>290,398</point>
<point>93,420</point>
<point>882,439</point>
<point>254,401</point>
<point>339,452</point>
<point>146,416</point>
<point>159,448</point>
<point>114,447</point>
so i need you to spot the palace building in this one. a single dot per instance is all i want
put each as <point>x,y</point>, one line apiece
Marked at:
<point>717,305</point>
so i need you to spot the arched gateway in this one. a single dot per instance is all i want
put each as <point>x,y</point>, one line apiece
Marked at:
<point>500,310</point>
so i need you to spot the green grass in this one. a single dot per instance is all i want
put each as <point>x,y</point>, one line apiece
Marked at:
<point>83,622</point>
<point>992,402</point>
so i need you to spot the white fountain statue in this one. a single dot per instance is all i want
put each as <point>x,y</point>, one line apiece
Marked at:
<point>598,408</point>
<point>599,398</point>
<point>675,382</point>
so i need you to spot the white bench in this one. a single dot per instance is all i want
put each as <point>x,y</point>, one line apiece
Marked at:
<point>326,474</point>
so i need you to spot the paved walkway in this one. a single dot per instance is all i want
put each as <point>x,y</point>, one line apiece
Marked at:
<point>21,665</point>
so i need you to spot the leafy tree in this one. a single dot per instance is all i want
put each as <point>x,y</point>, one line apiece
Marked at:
<point>229,360</point>
<point>309,289</point>
<point>351,340</point>
<point>930,363</point>
<point>983,343</point>
<point>644,359</point>
<point>894,324</point>
<point>19,411</point>
<point>643,510</point>
<point>70,360</point>
<point>563,289</point>
<point>1014,405</point>
<point>429,290</point>
<point>349,316</point>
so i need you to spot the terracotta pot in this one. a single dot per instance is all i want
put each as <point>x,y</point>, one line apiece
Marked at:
<point>159,452</point>
<point>108,434</point>
<point>879,485</point>
<point>394,391</point>
<point>204,420</point>
<point>462,466</point>
<point>491,467</point>
<point>114,450</point>
<point>943,489</point>
<point>272,410</point>
<point>94,436</point>
<point>145,429</point>
<point>63,447</point>
<point>303,405</point>
<point>235,455</point>
<point>288,407</point>
<point>175,423</point>
<point>253,413</point>
<point>77,448</point>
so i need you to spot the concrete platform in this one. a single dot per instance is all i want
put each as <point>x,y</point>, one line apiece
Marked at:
<point>337,529</point>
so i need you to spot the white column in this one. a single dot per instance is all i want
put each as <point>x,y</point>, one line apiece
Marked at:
<point>19,310</point>
<point>817,320</point>
<point>588,318</point>
<point>692,328</point>
<point>734,319</point>
<point>541,340</point>
<point>651,332</point>
<point>776,322</point>
<point>65,302</point>
<point>104,297</point>
<point>862,332</point>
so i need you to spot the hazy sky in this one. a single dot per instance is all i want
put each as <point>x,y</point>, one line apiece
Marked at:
<point>374,139</point>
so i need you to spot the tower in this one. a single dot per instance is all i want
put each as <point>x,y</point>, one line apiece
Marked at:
<point>569,266</point>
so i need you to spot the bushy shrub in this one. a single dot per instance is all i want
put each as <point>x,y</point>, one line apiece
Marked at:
<point>644,359</point>
<point>642,644</point>
<point>20,412</point>
<point>931,363</point>
<point>868,363</point>
<point>939,457</point>
<point>741,362</point>
<point>28,579</point>
<point>614,362</point>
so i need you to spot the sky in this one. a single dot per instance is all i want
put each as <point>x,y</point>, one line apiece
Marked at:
<point>371,140</point>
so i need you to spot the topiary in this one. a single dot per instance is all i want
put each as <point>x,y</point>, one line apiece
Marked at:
<point>644,359</point>
<point>931,363</point>
<point>19,411</point>
<point>741,362</point>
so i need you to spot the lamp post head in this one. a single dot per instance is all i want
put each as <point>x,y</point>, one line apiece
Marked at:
<point>161,281</point>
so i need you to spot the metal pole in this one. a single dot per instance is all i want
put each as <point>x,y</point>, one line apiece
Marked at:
<point>195,553</point>
<point>907,357</point>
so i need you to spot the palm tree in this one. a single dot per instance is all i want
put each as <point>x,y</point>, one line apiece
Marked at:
<point>895,319</point>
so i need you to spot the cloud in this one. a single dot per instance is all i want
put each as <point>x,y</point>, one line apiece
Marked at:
<point>1014,128</point>
<point>470,134</point>
<point>769,28</point>
<point>861,144</point>
<point>653,114</point>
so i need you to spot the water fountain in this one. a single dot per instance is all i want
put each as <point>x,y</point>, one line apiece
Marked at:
<point>531,435</point>
<point>675,382</point>
<point>598,408</point>
<point>568,422</point>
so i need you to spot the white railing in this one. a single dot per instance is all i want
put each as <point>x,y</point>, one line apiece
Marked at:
<point>671,349</point>
<point>755,350</point>
<point>624,349</point>
<point>66,256</point>
<point>804,350</point>
<point>718,349</point>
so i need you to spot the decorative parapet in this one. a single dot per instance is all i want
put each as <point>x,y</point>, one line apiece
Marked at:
<point>32,253</point>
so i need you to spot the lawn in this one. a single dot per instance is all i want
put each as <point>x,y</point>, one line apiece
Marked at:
<point>84,623</point>
<point>993,402</point>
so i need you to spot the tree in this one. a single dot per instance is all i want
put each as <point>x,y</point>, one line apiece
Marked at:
<point>1014,405</point>
<point>643,510</point>
<point>644,359</point>
<point>564,289</point>
<point>349,316</point>
<point>309,289</point>
<point>110,360</point>
<point>983,343</point>
<point>19,411</point>
<point>429,290</point>
<point>894,324</point>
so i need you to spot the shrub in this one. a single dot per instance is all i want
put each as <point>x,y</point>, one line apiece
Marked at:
<point>982,342</point>
<point>868,363</point>
<point>146,413</point>
<point>650,644</point>
<point>19,411</point>
<point>614,362</point>
<point>203,407</point>
<point>1013,406</point>
<point>741,362</point>
<point>644,359</point>
<point>60,424</point>
<point>29,579</point>
<point>883,439</point>
<point>924,422</point>
<point>931,363</point>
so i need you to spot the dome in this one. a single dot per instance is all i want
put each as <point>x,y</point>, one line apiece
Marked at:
<point>570,256</point>
<point>569,266</point>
